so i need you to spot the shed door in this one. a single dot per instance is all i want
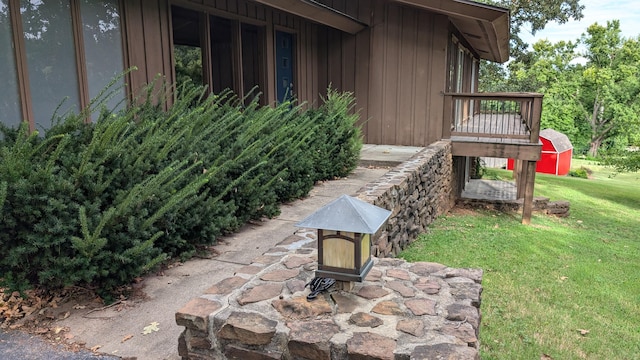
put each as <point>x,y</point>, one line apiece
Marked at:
<point>284,65</point>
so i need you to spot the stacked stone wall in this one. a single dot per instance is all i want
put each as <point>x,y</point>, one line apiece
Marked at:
<point>417,192</point>
<point>402,311</point>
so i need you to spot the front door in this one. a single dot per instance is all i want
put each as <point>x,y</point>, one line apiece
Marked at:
<point>284,65</point>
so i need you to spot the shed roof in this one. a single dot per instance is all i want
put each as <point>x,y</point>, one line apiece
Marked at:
<point>559,140</point>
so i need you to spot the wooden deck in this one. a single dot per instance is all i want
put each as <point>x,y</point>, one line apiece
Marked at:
<point>494,135</point>
<point>494,125</point>
<point>499,125</point>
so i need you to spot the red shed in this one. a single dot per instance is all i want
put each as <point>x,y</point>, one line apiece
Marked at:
<point>556,153</point>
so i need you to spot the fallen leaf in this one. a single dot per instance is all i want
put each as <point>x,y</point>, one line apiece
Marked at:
<point>583,332</point>
<point>58,329</point>
<point>95,348</point>
<point>150,328</point>
<point>127,337</point>
<point>28,310</point>
<point>545,357</point>
<point>563,278</point>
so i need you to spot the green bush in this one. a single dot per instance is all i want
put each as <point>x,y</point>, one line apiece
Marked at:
<point>582,172</point>
<point>338,140</point>
<point>101,203</point>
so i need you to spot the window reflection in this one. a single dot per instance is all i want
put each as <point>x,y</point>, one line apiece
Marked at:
<point>9,99</point>
<point>51,59</point>
<point>102,38</point>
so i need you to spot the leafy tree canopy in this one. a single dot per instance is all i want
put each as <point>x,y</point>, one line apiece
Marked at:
<point>536,15</point>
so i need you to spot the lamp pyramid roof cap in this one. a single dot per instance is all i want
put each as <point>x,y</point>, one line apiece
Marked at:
<point>347,213</point>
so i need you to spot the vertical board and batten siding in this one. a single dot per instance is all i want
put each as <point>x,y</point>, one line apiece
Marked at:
<point>306,88</point>
<point>396,69</point>
<point>148,41</point>
<point>344,59</point>
<point>407,76</point>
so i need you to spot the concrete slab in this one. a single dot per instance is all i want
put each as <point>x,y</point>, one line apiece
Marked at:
<point>386,155</point>
<point>490,190</point>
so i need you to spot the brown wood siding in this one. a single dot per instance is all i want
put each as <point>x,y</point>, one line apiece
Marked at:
<point>413,76</point>
<point>307,87</point>
<point>147,41</point>
<point>396,69</point>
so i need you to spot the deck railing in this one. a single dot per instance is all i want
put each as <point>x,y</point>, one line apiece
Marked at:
<point>493,115</point>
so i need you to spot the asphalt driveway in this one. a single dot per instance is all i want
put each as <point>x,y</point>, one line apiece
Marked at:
<point>15,345</point>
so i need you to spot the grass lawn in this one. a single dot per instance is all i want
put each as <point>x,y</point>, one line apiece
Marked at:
<point>560,288</point>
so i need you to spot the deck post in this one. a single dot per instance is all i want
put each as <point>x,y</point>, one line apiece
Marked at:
<point>520,173</point>
<point>529,168</point>
<point>447,117</point>
<point>535,116</point>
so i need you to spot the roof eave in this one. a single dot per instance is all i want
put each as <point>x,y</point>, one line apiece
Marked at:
<point>319,13</point>
<point>485,27</point>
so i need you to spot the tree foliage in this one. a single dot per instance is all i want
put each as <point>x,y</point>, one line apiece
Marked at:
<point>591,94</point>
<point>530,16</point>
<point>535,15</point>
<point>610,86</point>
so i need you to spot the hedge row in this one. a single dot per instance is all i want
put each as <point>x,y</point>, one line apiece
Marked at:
<point>104,202</point>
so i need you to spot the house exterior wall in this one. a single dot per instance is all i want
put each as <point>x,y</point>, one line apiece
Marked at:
<point>147,42</point>
<point>149,38</point>
<point>397,69</point>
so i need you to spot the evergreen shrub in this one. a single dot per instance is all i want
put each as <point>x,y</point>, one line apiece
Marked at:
<point>101,203</point>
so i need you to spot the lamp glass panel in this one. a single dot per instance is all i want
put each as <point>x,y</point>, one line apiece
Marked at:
<point>337,252</point>
<point>366,248</point>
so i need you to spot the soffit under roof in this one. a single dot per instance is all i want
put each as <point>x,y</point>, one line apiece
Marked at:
<point>317,12</point>
<point>484,27</point>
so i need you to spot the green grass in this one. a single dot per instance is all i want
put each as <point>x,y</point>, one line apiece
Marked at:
<point>545,282</point>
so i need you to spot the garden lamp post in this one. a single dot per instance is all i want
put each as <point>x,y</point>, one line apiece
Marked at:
<point>345,228</point>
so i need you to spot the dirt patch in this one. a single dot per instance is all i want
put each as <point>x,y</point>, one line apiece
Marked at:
<point>36,312</point>
<point>464,211</point>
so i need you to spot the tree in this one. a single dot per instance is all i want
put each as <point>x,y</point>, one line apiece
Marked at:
<point>627,161</point>
<point>525,13</point>
<point>536,14</point>
<point>551,69</point>
<point>610,89</point>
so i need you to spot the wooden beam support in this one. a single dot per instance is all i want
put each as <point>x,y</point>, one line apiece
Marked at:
<point>523,151</point>
<point>527,208</point>
<point>319,13</point>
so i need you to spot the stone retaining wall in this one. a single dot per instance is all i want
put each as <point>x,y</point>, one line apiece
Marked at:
<point>417,192</point>
<point>401,311</point>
